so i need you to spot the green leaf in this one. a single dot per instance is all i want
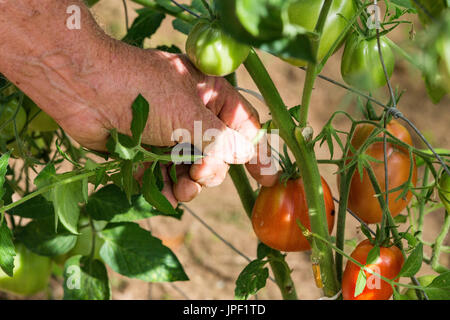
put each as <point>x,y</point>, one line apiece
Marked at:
<point>36,208</point>
<point>373,255</point>
<point>135,253</point>
<point>85,279</point>
<point>4,159</point>
<point>400,218</point>
<point>65,197</point>
<point>121,145</point>
<point>182,26</point>
<point>110,204</point>
<point>127,178</point>
<point>251,279</point>
<point>144,26</point>
<point>7,197</point>
<point>439,289</point>
<point>140,109</point>
<point>153,196</point>
<point>297,47</point>
<point>7,251</point>
<point>263,251</point>
<point>413,263</point>
<point>39,236</point>
<point>360,282</point>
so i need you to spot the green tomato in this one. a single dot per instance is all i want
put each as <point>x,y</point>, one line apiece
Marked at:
<point>84,244</point>
<point>361,65</point>
<point>424,281</point>
<point>305,13</point>
<point>40,120</point>
<point>31,273</point>
<point>444,190</point>
<point>212,51</point>
<point>7,112</point>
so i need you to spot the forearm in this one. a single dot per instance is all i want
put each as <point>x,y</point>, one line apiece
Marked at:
<point>48,61</point>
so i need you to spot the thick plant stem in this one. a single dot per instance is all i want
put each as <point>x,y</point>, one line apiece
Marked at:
<point>305,158</point>
<point>344,188</point>
<point>438,244</point>
<point>243,187</point>
<point>283,278</point>
<point>248,197</point>
<point>311,71</point>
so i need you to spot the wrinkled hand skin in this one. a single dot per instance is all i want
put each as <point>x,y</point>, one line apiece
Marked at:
<point>87,82</point>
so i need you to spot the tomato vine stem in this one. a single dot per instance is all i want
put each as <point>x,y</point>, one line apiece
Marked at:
<point>305,157</point>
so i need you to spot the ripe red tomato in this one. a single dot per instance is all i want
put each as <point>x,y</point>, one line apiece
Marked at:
<point>388,264</point>
<point>276,210</point>
<point>362,200</point>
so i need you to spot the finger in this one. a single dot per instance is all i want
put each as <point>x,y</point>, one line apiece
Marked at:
<point>209,171</point>
<point>185,189</point>
<point>238,114</point>
<point>263,168</point>
<point>210,134</point>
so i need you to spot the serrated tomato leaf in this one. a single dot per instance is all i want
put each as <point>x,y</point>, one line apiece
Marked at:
<point>36,208</point>
<point>40,237</point>
<point>7,251</point>
<point>65,196</point>
<point>110,204</point>
<point>4,160</point>
<point>251,279</point>
<point>85,279</point>
<point>140,109</point>
<point>413,263</point>
<point>135,253</point>
<point>154,196</point>
<point>360,282</point>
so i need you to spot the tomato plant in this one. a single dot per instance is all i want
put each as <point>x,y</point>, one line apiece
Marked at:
<point>305,13</point>
<point>56,193</point>
<point>362,198</point>
<point>388,264</point>
<point>212,51</point>
<point>361,66</point>
<point>31,273</point>
<point>277,209</point>
<point>12,119</point>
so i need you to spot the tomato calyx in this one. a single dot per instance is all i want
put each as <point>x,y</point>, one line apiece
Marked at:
<point>290,170</point>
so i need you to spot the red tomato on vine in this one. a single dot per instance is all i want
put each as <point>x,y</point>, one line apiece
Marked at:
<point>388,265</point>
<point>362,200</point>
<point>277,209</point>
